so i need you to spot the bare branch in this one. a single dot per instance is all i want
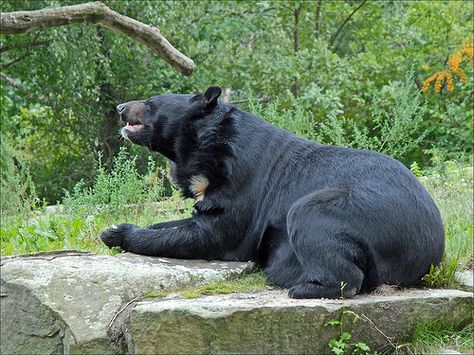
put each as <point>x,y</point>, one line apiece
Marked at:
<point>16,60</point>
<point>418,85</point>
<point>11,82</point>
<point>97,13</point>
<point>334,37</point>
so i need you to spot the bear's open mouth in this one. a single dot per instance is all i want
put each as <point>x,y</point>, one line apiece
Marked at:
<point>133,127</point>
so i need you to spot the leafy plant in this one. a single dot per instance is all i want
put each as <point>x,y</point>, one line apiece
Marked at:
<point>463,54</point>
<point>416,169</point>
<point>51,232</point>
<point>295,119</point>
<point>396,115</point>
<point>119,195</point>
<point>342,344</point>
<point>120,186</point>
<point>442,275</point>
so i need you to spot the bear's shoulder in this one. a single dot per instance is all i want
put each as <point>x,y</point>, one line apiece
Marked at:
<point>204,152</point>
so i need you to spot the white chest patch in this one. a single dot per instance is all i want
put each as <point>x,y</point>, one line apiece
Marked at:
<point>198,185</point>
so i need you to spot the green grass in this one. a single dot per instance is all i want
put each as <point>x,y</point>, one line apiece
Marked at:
<point>80,228</point>
<point>451,186</point>
<point>433,336</point>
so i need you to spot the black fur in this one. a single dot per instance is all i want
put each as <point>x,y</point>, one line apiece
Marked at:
<point>323,221</point>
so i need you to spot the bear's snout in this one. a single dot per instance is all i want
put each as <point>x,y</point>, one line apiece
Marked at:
<point>132,112</point>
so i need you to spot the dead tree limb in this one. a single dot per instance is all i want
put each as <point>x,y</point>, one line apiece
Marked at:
<point>11,82</point>
<point>97,13</point>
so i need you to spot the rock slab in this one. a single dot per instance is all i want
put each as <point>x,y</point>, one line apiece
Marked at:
<point>65,302</point>
<point>78,302</point>
<point>271,322</point>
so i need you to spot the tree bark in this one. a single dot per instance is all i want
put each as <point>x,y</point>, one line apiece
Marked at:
<point>318,19</point>
<point>296,44</point>
<point>11,82</point>
<point>97,13</point>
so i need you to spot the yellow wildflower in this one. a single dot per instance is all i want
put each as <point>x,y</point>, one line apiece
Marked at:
<point>439,81</point>
<point>427,82</point>
<point>450,81</point>
<point>453,70</point>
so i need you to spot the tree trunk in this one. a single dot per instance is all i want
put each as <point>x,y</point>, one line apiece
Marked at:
<point>296,45</point>
<point>97,13</point>
<point>318,19</point>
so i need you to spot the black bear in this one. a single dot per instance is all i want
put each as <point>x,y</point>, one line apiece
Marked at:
<point>323,221</point>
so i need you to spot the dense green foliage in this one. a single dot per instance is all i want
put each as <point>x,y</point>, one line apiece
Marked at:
<point>353,83</point>
<point>347,72</point>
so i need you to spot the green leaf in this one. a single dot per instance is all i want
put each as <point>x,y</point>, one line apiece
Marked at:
<point>361,346</point>
<point>345,336</point>
<point>333,322</point>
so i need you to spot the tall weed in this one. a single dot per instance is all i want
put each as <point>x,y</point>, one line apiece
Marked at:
<point>120,186</point>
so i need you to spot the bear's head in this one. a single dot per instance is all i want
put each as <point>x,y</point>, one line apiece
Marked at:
<point>154,122</point>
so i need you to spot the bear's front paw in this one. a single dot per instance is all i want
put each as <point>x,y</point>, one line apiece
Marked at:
<point>116,235</point>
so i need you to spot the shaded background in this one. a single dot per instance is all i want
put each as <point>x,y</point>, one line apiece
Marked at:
<point>342,72</point>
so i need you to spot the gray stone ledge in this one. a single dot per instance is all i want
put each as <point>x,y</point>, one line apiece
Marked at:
<point>270,322</point>
<point>75,295</point>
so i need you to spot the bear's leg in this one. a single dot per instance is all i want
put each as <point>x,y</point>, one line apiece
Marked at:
<point>176,239</point>
<point>164,225</point>
<point>283,268</point>
<point>336,263</point>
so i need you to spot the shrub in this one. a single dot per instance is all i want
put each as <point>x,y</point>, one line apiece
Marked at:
<point>120,186</point>
<point>396,122</point>
<point>17,189</point>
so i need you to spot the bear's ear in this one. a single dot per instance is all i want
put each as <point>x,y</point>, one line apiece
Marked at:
<point>211,95</point>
